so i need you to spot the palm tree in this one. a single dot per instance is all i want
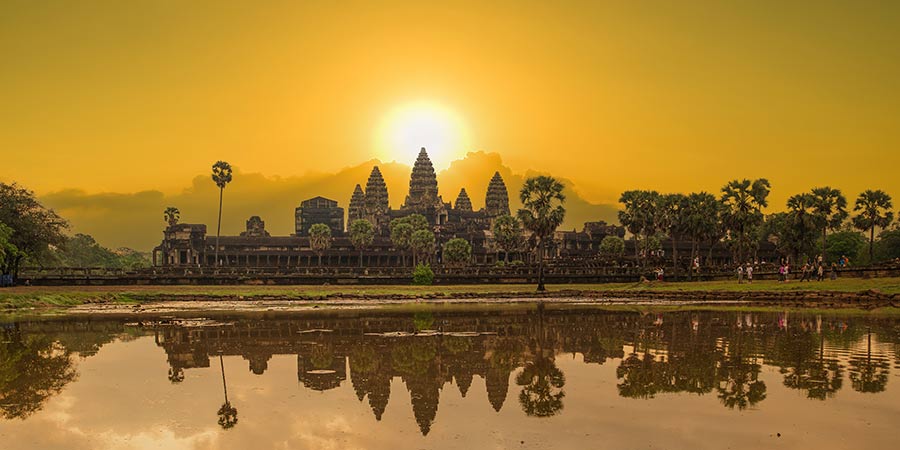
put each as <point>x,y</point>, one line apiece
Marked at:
<point>743,201</point>
<point>831,207</point>
<point>227,413</point>
<point>701,220</point>
<point>508,234</point>
<point>362,234</point>
<point>803,221</point>
<point>638,217</point>
<point>672,220</point>
<point>221,174</point>
<point>542,213</point>
<point>874,210</point>
<point>422,244</point>
<point>319,239</point>
<point>171,216</point>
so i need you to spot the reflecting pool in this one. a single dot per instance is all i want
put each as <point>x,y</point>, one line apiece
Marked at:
<point>536,377</point>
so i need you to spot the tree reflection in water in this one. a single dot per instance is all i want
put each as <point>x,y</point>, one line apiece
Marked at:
<point>698,352</point>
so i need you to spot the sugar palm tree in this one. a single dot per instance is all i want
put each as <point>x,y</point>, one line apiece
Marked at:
<point>362,234</point>
<point>542,212</point>
<point>319,239</point>
<point>672,219</point>
<point>831,206</point>
<point>638,217</point>
<point>508,234</point>
<point>221,174</point>
<point>701,220</point>
<point>873,210</point>
<point>743,201</point>
<point>171,216</point>
<point>227,413</point>
<point>802,224</point>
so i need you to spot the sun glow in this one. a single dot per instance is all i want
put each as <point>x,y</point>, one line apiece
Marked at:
<point>422,124</point>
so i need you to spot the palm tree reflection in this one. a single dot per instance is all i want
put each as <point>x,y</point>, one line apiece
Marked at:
<point>542,381</point>
<point>227,413</point>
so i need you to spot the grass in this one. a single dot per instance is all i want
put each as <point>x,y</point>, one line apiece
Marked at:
<point>66,296</point>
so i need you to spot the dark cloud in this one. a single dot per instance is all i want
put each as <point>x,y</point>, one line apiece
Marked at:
<point>136,219</point>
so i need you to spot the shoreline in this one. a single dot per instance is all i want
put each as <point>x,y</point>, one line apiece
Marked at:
<point>848,293</point>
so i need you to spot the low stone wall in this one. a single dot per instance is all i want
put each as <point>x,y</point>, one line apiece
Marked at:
<point>382,276</point>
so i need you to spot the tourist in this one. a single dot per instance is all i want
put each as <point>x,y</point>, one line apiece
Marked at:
<point>805,271</point>
<point>821,272</point>
<point>833,274</point>
<point>740,274</point>
<point>781,273</point>
<point>749,273</point>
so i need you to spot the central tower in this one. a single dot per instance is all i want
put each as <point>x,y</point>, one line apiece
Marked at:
<point>423,195</point>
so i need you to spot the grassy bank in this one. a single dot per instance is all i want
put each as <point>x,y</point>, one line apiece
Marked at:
<point>64,296</point>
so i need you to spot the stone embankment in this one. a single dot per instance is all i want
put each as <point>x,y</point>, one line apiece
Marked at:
<point>868,299</point>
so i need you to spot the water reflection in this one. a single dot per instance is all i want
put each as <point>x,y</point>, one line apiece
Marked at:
<point>703,353</point>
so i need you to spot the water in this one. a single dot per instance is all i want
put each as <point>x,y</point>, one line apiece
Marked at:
<point>527,378</point>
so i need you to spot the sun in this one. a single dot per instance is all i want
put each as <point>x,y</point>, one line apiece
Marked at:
<point>412,126</point>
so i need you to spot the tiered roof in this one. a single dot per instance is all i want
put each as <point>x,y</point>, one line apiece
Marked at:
<point>496,202</point>
<point>463,203</point>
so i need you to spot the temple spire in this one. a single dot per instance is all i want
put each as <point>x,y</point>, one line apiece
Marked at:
<point>496,201</point>
<point>463,203</point>
<point>423,187</point>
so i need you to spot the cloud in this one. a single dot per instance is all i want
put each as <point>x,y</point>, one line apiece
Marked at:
<point>136,219</point>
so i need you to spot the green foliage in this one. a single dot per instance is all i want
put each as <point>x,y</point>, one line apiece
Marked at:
<point>742,204</point>
<point>888,245</point>
<point>423,275</point>
<point>35,229</point>
<point>423,320</point>
<point>457,251</point>
<point>612,246</point>
<point>82,250</point>
<point>508,233</point>
<point>221,173</point>
<point>171,216</point>
<point>873,210</point>
<point>319,238</point>
<point>422,243</point>
<point>844,243</point>
<point>401,234</point>
<point>362,234</point>
<point>8,251</point>
<point>542,211</point>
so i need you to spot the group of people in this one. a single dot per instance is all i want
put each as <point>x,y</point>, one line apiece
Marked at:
<point>745,270</point>
<point>812,268</point>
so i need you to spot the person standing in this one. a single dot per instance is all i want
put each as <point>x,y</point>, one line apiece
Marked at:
<point>821,272</point>
<point>740,274</point>
<point>749,273</point>
<point>833,274</point>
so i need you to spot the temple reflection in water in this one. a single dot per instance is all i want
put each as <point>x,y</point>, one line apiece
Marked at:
<point>699,352</point>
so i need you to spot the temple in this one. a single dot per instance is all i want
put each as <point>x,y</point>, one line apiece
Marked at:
<point>189,245</point>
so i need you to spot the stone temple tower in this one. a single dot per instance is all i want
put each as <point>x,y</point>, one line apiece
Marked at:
<point>376,203</point>
<point>496,202</point>
<point>357,207</point>
<point>423,187</point>
<point>463,203</point>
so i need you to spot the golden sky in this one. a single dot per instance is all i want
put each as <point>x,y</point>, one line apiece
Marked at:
<point>123,97</point>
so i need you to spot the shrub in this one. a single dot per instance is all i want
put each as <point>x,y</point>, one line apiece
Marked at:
<point>457,251</point>
<point>423,275</point>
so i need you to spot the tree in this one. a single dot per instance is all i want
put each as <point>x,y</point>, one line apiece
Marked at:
<point>319,239</point>
<point>831,206</point>
<point>888,245</point>
<point>672,220</point>
<point>457,251</point>
<point>8,251</point>
<point>35,229</point>
<point>227,413</point>
<point>638,217</point>
<point>743,201</point>
<point>845,243</point>
<point>402,230</point>
<point>362,234</point>
<point>542,212</point>
<point>508,234</point>
<point>873,210</point>
<point>701,220</point>
<point>613,246</point>
<point>422,243</point>
<point>221,174</point>
<point>171,216</point>
<point>803,222</point>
